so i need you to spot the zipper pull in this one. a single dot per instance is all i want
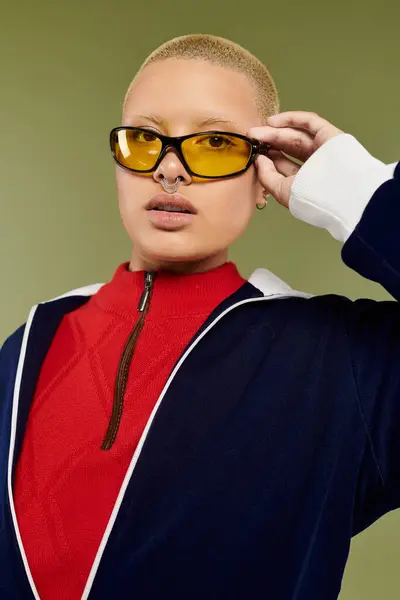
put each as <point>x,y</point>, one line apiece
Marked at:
<point>148,284</point>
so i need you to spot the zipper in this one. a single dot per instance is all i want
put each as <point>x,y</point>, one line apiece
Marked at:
<point>125,363</point>
<point>139,447</point>
<point>135,456</point>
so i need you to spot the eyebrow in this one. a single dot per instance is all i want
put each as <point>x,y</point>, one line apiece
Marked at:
<point>216,120</point>
<point>200,123</point>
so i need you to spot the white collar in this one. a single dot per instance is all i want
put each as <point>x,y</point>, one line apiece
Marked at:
<point>271,285</point>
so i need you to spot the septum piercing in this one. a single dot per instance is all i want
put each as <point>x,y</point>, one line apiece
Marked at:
<point>171,188</point>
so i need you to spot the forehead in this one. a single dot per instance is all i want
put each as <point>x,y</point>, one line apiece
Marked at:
<point>183,92</point>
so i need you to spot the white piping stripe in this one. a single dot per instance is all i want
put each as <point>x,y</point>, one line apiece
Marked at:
<point>17,388</point>
<point>142,440</point>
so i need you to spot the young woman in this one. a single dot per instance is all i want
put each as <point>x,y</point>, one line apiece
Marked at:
<point>180,432</point>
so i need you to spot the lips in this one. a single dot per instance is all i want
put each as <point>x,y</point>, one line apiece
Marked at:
<point>171,203</point>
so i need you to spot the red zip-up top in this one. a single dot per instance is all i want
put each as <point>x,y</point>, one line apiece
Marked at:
<point>66,485</point>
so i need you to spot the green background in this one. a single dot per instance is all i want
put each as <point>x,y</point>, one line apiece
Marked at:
<point>65,69</point>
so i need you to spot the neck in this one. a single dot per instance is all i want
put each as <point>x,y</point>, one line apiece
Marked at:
<point>180,267</point>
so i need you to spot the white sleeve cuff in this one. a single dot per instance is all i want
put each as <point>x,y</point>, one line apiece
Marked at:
<point>335,184</point>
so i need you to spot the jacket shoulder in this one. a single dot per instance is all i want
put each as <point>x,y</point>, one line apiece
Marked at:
<point>87,290</point>
<point>12,344</point>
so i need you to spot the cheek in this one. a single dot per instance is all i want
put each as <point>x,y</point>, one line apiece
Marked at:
<point>235,204</point>
<point>127,185</point>
<point>132,191</point>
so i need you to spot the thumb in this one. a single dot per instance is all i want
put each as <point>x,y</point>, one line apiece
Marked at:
<point>269,177</point>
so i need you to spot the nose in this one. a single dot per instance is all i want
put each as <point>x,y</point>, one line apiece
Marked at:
<point>170,168</point>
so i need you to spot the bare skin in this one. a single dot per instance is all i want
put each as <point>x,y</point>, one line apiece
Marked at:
<point>183,94</point>
<point>296,133</point>
<point>177,97</point>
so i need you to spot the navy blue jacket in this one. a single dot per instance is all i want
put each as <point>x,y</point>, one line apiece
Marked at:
<point>275,440</point>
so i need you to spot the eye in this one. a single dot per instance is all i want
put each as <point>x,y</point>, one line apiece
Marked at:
<point>144,136</point>
<point>219,141</point>
<point>215,142</point>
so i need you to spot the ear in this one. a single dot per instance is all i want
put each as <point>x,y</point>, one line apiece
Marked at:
<point>258,187</point>
<point>259,194</point>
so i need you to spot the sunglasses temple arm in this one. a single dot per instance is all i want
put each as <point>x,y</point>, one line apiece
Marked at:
<point>263,148</point>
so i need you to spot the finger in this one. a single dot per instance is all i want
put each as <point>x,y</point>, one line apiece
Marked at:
<point>275,183</point>
<point>298,118</point>
<point>295,142</point>
<point>309,121</point>
<point>284,165</point>
<point>269,177</point>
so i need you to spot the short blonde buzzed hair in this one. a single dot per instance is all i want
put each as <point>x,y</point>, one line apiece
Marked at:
<point>225,53</point>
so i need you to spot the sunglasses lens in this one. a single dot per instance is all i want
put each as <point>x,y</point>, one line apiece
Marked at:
<point>135,149</point>
<point>216,155</point>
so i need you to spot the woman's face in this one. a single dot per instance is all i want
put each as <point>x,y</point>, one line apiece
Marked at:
<point>177,97</point>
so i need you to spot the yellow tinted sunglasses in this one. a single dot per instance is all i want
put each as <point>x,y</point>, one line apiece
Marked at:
<point>208,155</point>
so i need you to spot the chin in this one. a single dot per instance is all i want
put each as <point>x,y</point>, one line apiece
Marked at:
<point>178,260</point>
<point>173,247</point>
<point>169,257</point>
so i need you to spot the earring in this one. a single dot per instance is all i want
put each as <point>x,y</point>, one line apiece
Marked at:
<point>266,195</point>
